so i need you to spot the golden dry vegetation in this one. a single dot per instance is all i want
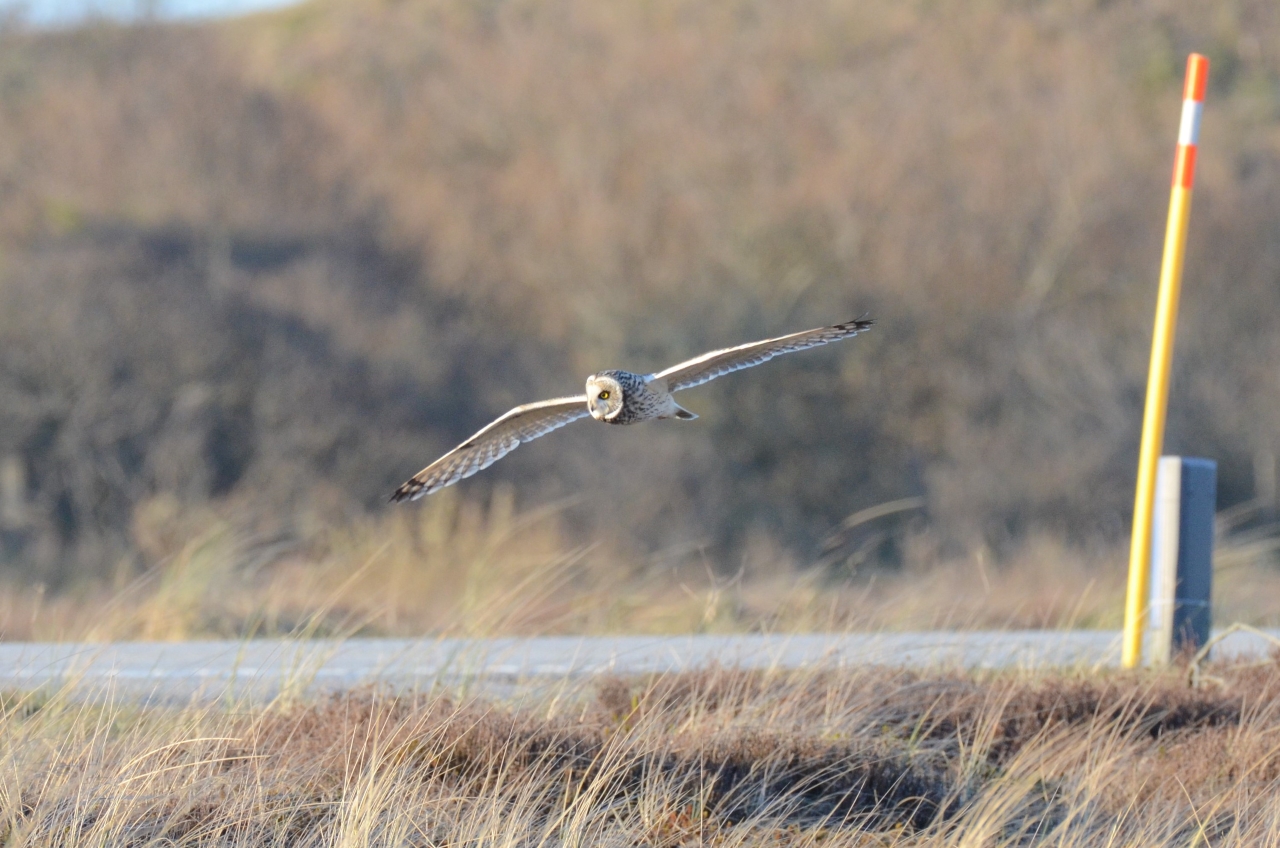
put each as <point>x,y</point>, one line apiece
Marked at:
<point>866,757</point>
<point>457,568</point>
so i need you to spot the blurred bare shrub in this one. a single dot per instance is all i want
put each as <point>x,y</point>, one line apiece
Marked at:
<point>288,259</point>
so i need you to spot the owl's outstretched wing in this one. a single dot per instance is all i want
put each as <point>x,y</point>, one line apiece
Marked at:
<point>717,363</point>
<point>522,424</point>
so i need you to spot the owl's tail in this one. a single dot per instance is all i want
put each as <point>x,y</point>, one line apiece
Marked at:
<point>684,414</point>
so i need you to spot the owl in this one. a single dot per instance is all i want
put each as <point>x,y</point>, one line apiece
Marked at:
<point>612,397</point>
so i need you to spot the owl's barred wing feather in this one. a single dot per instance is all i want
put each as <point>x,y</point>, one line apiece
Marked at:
<point>717,363</point>
<point>522,424</point>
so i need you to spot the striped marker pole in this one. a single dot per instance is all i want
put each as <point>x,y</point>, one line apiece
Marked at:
<point>1175,242</point>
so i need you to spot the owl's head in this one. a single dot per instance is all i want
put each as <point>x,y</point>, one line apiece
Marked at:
<point>604,397</point>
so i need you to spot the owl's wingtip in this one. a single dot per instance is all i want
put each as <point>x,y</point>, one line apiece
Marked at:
<point>408,491</point>
<point>861,323</point>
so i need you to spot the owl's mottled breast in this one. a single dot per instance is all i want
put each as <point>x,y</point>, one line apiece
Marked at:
<point>638,403</point>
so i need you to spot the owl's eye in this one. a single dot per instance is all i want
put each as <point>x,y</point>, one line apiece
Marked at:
<point>604,395</point>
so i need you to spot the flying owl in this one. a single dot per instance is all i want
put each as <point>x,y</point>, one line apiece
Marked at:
<point>613,397</point>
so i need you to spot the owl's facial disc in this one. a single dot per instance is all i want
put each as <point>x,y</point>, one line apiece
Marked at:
<point>604,397</point>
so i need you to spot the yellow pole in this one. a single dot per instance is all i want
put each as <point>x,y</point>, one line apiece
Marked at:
<point>1175,241</point>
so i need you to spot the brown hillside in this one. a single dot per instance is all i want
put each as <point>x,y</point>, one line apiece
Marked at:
<point>285,260</point>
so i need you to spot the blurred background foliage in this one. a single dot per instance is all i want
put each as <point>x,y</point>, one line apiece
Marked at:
<point>254,273</point>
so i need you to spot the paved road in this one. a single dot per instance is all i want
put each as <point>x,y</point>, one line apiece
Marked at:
<point>265,667</point>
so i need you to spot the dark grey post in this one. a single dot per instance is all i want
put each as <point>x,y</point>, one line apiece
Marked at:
<point>1191,612</point>
<point>1178,617</point>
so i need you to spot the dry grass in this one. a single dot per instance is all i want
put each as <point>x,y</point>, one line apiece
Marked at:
<point>871,756</point>
<point>458,567</point>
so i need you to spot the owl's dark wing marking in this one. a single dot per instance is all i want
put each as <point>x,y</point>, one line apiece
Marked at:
<point>522,424</point>
<point>717,363</point>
